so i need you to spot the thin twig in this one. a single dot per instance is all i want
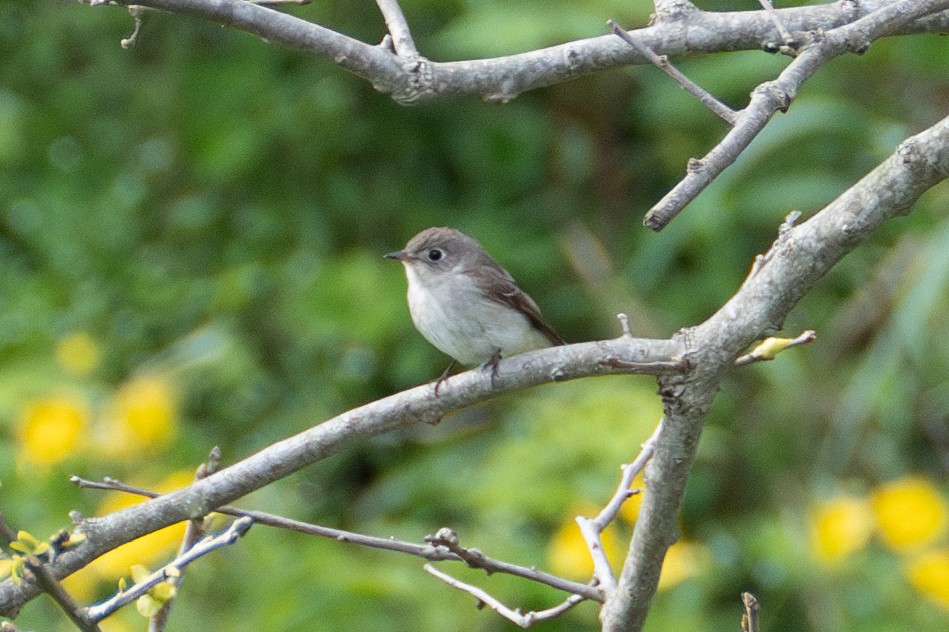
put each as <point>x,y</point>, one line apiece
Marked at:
<point>786,37</point>
<point>524,620</point>
<point>784,233</point>
<point>624,491</point>
<point>448,538</point>
<point>766,99</point>
<point>436,551</point>
<point>750,621</point>
<point>50,585</point>
<point>138,14</point>
<point>402,41</point>
<point>193,532</point>
<point>773,96</point>
<point>602,571</point>
<point>591,528</point>
<point>238,528</point>
<point>662,63</point>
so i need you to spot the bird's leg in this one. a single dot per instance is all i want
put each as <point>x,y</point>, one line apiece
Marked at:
<point>493,364</point>
<point>444,376</point>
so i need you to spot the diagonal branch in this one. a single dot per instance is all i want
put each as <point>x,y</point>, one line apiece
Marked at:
<point>49,584</point>
<point>662,63</point>
<point>774,96</point>
<point>402,40</point>
<point>211,543</point>
<point>795,264</point>
<point>420,404</point>
<point>591,528</point>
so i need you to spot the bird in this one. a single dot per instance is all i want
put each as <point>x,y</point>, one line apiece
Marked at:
<point>465,304</point>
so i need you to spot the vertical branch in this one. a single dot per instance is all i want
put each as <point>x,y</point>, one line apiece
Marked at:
<point>656,529</point>
<point>398,27</point>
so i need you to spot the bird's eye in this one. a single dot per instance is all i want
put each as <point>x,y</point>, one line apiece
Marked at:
<point>435,254</point>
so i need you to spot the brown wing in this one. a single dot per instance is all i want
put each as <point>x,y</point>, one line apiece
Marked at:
<point>498,285</point>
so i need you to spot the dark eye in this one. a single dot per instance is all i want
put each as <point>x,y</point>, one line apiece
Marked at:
<point>435,254</point>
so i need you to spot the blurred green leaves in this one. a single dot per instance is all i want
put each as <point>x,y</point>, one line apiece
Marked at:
<point>209,210</point>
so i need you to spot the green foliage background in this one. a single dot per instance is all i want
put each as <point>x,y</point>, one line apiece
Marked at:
<point>214,206</point>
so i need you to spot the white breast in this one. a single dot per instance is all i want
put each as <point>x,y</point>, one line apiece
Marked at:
<point>453,315</point>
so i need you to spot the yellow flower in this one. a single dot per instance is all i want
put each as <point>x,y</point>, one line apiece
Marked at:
<point>683,560</point>
<point>630,509</point>
<point>50,430</point>
<point>840,526</point>
<point>568,555</point>
<point>27,543</point>
<point>158,547</point>
<point>143,415</point>
<point>14,567</point>
<point>910,513</point>
<point>929,574</point>
<point>78,353</point>
<point>157,596</point>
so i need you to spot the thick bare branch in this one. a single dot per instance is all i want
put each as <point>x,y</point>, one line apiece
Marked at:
<point>503,78</point>
<point>420,404</point>
<point>764,300</point>
<point>667,10</point>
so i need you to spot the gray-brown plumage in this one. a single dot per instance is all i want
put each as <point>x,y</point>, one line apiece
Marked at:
<point>467,305</point>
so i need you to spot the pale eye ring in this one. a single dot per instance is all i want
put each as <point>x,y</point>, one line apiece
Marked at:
<point>435,254</point>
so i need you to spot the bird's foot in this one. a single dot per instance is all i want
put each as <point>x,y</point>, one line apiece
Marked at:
<point>492,363</point>
<point>444,376</point>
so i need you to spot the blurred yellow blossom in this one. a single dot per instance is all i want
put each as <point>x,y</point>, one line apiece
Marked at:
<point>568,555</point>
<point>929,574</point>
<point>840,526</point>
<point>78,353</point>
<point>683,560</point>
<point>152,550</point>
<point>143,415</point>
<point>910,513</point>
<point>50,430</point>
<point>630,509</point>
<point>27,543</point>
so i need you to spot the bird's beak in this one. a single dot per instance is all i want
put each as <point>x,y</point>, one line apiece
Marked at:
<point>399,254</point>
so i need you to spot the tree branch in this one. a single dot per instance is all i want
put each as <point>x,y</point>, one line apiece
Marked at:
<point>773,96</point>
<point>49,584</point>
<point>795,263</point>
<point>591,528</point>
<point>442,547</point>
<point>204,546</point>
<point>524,620</point>
<point>689,368</point>
<point>411,80</point>
<point>402,41</point>
<point>420,404</point>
